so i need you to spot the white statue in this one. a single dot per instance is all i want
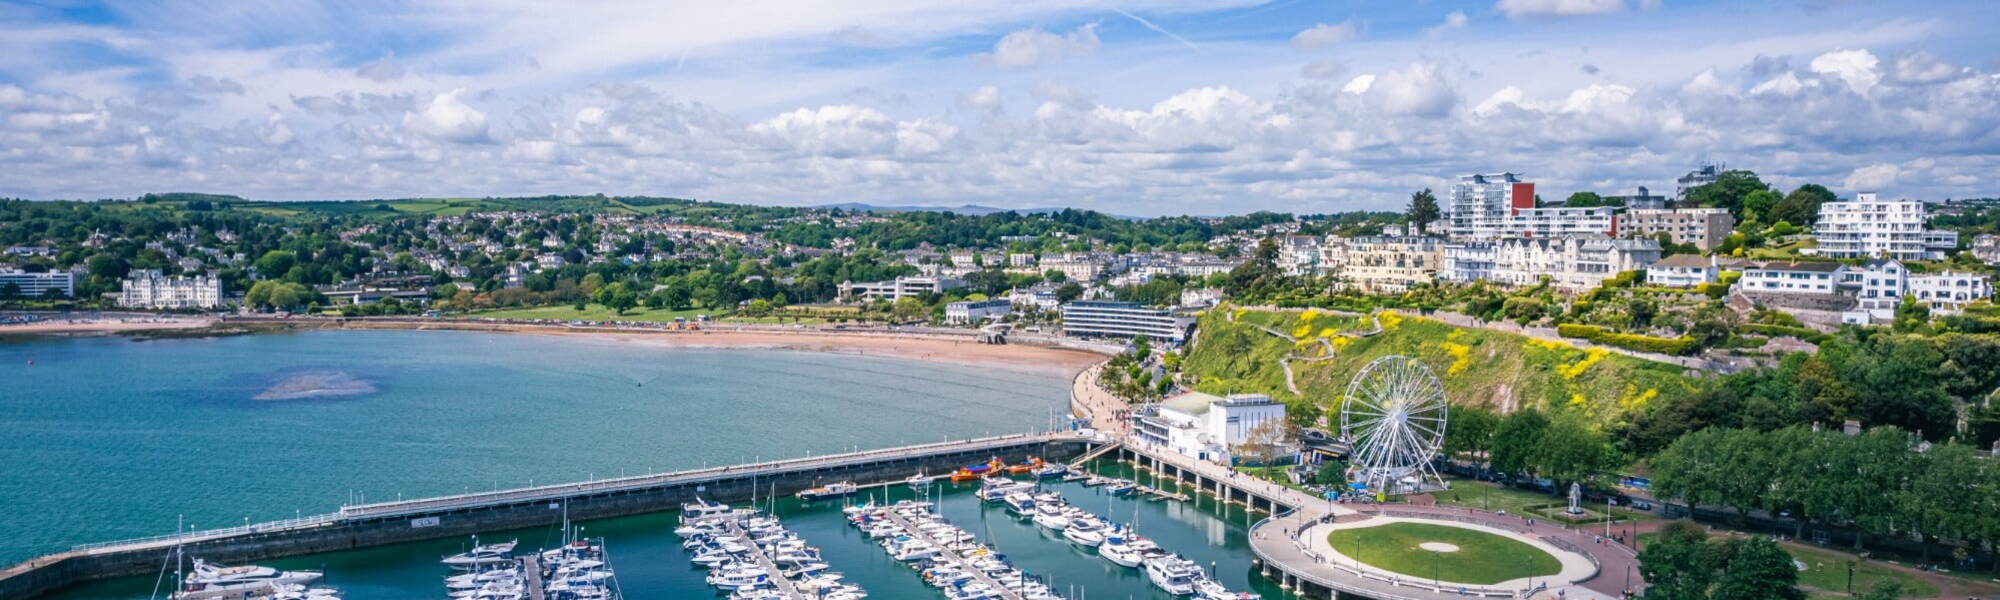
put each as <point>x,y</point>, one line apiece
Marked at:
<point>1575,496</point>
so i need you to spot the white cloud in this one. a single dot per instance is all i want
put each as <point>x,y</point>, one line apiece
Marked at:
<point>1417,90</point>
<point>1532,8</point>
<point>382,70</point>
<point>448,119</point>
<point>1452,22</point>
<point>1359,84</point>
<point>1856,67</point>
<point>1324,35</point>
<point>1875,177</point>
<point>1923,68</point>
<point>984,100</point>
<point>1033,47</point>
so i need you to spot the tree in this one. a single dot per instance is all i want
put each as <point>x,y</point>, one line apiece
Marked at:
<point>1423,209</point>
<point>1758,204</point>
<point>1802,205</point>
<point>1069,291</point>
<point>1264,442</point>
<point>1758,570</point>
<point>1514,442</point>
<point>106,266</point>
<point>1887,589</point>
<point>1331,473</point>
<point>1728,191</point>
<point>907,307</point>
<point>276,263</point>
<point>1569,451</point>
<point>1590,200</point>
<point>1471,432</point>
<point>1676,564</point>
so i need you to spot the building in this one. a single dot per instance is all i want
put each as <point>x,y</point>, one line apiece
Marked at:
<point>1384,265</point>
<point>22,284</point>
<point>1986,248</point>
<point>1481,204</point>
<point>1467,262</point>
<point>1298,254</point>
<point>899,288</point>
<point>1683,270</point>
<point>974,311</point>
<point>1792,277</point>
<point>1870,228</point>
<point>1201,297</point>
<point>1089,318</point>
<point>1207,427</point>
<point>1643,200</point>
<point>1574,263</point>
<point>1078,266</point>
<point>1559,222</point>
<point>147,288</point>
<point>1705,228</point>
<point>1707,174</point>
<point>1949,291</point>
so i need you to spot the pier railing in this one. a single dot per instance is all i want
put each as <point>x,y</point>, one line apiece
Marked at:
<point>308,521</point>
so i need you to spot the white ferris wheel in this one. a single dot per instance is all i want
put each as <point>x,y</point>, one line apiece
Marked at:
<point>1393,420</point>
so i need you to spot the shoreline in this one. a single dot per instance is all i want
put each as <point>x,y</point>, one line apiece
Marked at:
<point>909,345</point>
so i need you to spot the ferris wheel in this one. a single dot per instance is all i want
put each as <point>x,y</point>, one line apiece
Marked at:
<point>1393,420</point>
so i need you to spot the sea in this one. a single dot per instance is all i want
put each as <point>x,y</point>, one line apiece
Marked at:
<point>109,438</point>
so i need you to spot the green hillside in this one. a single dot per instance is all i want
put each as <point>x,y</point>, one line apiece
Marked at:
<point>1478,367</point>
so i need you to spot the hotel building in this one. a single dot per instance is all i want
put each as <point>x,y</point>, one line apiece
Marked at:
<point>1089,318</point>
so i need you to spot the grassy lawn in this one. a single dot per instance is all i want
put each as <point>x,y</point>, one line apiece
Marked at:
<point>1482,558</point>
<point>1274,475</point>
<point>593,312</point>
<point>1827,570</point>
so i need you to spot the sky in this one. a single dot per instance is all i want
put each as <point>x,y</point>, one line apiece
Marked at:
<point>1139,107</point>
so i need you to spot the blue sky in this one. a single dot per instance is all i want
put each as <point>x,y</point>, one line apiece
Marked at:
<point>1142,107</point>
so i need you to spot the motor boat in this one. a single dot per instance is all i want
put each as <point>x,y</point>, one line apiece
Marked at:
<point>1019,503</point>
<point>210,580</point>
<point>994,489</point>
<point>1210,589</point>
<point>1052,516</point>
<point>920,480</point>
<point>1172,573</point>
<point>1121,487</point>
<point>831,490</point>
<point>1128,550</point>
<point>1087,531</point>
<point>482,556</point>
<point>736,576</point>
<point>1051,470</point>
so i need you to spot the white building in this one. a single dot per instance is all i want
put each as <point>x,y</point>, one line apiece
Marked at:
<point>1707,174</point>
<point>1481,204</point>
<point>1467,262</point>
<point>1683,270</point>
<point>1573,263</point>
<point>1201,297</point>
<point>1950,291</point>
<point>1123,319</point>
<point>973,311</point>
<point>38,285</point>
<point>1870,228</point>
<point>1559,222</point>
<point>147,288</point>
<point>899,288</point>
<point>1792,278</point>
<point>1204,426</point>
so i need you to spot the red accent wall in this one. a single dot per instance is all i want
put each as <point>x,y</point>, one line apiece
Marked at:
<point>1524,195</point>
<point>1614,226</point>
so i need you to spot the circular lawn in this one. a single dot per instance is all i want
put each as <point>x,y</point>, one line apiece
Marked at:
<point>1444,552</point>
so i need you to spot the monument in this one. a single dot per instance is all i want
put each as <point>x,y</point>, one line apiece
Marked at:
<point>1575,497</point>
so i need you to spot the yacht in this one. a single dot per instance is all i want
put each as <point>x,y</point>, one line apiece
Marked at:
<point>1052,516</point>
<point>1121,487</point>
<point>1172,573</point>
<point>1019,503</point>
<point>1085,532</point>
<point>210,580</point>
<point>831,490</point>
<point>920,480</point>
<point>480,556</point>
<point>738,575</point>
<point>993,489</point>
<point>1209,589</point>
<point>701,509</point>
<point>1051,470</point>
<point>1128,550</point>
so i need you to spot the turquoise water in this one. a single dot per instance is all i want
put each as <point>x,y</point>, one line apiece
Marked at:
<point>107,438</point>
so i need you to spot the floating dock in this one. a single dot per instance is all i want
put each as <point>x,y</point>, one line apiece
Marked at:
<point>531,573</point>
<point>947,552</point>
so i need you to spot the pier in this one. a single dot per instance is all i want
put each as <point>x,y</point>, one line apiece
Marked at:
<point>531,573</point>
<point>385,523</point>
<point>778,576</point>
<point>943,549</point>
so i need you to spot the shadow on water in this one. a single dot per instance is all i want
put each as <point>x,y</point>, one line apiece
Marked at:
<point>651,564</point>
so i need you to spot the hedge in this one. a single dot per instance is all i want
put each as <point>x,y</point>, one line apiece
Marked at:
<point>1629,341</point>
<point>1797,332</point>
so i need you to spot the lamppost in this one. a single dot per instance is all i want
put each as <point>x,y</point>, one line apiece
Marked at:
<point>1850,576</point>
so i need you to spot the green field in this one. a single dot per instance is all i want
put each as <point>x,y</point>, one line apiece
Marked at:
<point>1478,367</point>
<point>1491,497</point>
<point>1482,558</point>
<point>1827,570</point>
<point>594,312</point>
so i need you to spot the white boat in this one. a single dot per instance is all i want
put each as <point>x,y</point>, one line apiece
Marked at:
<point>1052,516</point>
<point>701,509</point>
<point>210,580</point>
<point>920,480</point>
<point>1051,470</point>
<point>1172,573</point>
<point>831,490</point>
<point>736,576</point>
<point>1209,589</point>
<point>1085,532</point>
<point>1020,503</point>
<point>993,489</point>
<point>1128,551</point>
<point>484,555</point>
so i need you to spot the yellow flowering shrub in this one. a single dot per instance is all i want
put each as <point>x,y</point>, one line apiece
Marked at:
<point>1461,357</point>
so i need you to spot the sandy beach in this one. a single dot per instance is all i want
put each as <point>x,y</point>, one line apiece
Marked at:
<point>916,347</point>
<point>103,326</point>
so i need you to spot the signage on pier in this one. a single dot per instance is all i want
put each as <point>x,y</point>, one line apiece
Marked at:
<point>421,523</point>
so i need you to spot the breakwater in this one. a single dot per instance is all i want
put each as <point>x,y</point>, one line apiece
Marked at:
<point>361,526</point>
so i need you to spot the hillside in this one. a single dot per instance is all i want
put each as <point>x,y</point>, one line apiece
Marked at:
<point>1478,367</point>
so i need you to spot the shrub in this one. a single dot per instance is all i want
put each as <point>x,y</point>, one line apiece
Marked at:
<point>1797,332</point>
<point>1629,341</point>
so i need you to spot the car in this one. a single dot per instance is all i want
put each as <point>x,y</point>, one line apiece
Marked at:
<point>1641,505</point>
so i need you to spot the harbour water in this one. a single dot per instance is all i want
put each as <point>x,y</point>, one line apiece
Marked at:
<point>651,564</point>
<point>108,438</point>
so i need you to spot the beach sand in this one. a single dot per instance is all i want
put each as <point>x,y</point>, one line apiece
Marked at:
<point>103,326</point>
<point>1015,357</point>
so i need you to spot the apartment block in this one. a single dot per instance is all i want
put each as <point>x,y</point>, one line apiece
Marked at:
<point>1703,227</point>
<point>1867,227</point>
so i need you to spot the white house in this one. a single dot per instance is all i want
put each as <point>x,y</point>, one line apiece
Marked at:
<point>1205,426</point>
<point>1682,270</point>
<point>147,288</point>
<point>1792,278</point>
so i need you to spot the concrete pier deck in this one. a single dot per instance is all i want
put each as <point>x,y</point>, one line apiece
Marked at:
<point>763,560</point>
<point>953,556</point>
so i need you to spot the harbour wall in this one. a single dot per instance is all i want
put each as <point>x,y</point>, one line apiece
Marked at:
<point>463,515</point>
